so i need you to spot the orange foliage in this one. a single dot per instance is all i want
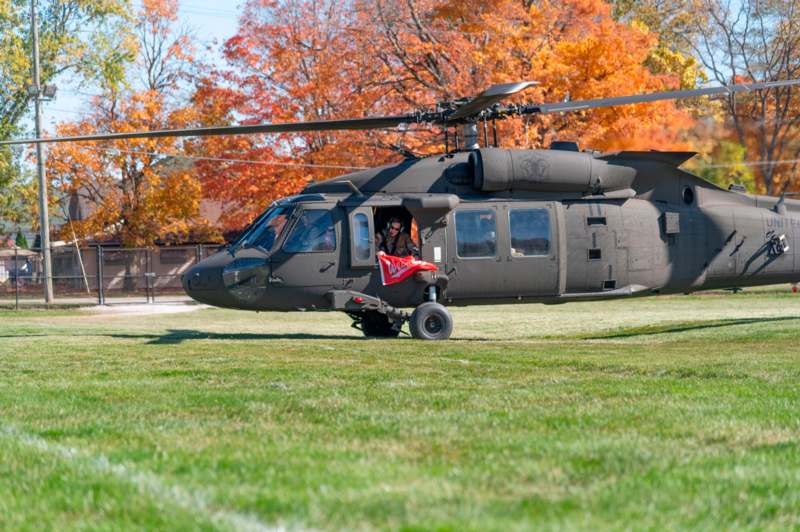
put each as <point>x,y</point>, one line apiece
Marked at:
<point>134,194</point>
<point>309,60</point>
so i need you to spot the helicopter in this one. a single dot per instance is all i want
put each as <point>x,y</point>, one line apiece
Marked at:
<point>550,226</point>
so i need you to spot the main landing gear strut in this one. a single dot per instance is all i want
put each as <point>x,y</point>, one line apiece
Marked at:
<point>429,321</point>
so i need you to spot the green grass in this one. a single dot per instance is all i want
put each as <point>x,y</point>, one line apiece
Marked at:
<point>676,412</point>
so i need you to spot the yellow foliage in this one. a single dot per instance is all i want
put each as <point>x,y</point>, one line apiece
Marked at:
<point>135,193</point>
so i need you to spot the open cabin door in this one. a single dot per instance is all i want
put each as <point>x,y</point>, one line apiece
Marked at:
<point>431,213</point>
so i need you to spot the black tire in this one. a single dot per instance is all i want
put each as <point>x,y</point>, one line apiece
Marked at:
<point>431,321</point>
<point>377,325</point>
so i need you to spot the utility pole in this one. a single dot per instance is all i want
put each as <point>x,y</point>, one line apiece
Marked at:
<point>44,219</point>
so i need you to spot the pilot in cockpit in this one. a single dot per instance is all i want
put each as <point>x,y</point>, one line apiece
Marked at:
<point>395,241</point>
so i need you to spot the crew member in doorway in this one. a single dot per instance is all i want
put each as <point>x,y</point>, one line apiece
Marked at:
<point>395,241</point>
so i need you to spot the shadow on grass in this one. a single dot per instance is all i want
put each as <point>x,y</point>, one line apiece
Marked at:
<point>176,336</point>
<point>684,327</point>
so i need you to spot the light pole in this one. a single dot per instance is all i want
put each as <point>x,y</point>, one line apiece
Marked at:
<point>38,93</point>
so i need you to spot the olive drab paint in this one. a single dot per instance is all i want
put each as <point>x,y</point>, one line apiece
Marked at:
<point>625,224</point>
<point>502,226</point>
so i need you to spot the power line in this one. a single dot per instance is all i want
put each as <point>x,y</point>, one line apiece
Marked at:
<point>753,163</point>
<point>236,15</point>
<point>80,92</point>
<point>199,10</point>
<point>344,167</point>
<point>60,110</point>
<point>225,159</point>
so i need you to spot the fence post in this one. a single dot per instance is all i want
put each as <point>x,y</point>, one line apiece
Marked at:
<point>198,253</point>
<point>148,284</point>
<point>101,296</point>
<point>16,278</point>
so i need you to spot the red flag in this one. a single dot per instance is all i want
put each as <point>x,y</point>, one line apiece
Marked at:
<point>395,269</point>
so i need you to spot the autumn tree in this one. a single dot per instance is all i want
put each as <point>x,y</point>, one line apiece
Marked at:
<point>16,200</point>
<point>293,61</point>
<point>311,60</point>
<point>83,37</point>
<point>727,165</point>
<point>757,40</point>
<point>136,191</point>
<point>671,21</point>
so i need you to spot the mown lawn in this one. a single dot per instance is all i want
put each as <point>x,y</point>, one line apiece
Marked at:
<point>679,412</point>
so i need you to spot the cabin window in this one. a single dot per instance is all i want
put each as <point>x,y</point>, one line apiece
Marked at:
<point>530,232</point>
<point>476,234</point>
<point>313,232</point>
<point>361,237</point>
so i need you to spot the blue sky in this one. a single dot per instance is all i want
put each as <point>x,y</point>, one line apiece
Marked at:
<point>211,21</point>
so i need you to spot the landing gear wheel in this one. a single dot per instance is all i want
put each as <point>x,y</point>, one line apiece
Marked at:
<point>377,325</point>
<point>431,321</point>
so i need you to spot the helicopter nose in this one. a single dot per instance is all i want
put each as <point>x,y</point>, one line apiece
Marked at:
<point>203,282</point>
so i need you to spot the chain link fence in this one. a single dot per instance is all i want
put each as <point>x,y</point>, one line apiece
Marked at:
<point>99,275</point>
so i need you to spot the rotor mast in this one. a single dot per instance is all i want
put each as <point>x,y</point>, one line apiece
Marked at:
<point>469,133</point>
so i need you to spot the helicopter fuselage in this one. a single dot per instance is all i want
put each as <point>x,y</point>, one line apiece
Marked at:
<point>506,226</point>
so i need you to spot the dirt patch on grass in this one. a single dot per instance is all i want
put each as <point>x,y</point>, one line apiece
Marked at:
<point>143,309</point>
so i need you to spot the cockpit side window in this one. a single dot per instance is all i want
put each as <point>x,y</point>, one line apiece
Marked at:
<point>265,232</point>
<point>248,231</point>
<point>314,231</point>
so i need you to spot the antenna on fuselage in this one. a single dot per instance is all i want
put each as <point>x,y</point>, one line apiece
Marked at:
<point>780,206</point>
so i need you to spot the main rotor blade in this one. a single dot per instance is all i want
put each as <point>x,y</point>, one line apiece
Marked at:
<point>464,113</point>
<point>319,125</point>
<point>488,98</point>
<point>578,105</point>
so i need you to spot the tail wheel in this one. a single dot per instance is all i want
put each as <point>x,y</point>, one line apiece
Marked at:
<point>377,325</point>
<point>431,321</point>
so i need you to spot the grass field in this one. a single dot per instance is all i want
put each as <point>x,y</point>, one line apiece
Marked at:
<point>676,412</point>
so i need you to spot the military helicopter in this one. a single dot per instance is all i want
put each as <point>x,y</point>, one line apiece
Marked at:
<point>553,226</point>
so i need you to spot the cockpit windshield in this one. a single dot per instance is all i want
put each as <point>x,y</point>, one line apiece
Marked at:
<point>266,229</point>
